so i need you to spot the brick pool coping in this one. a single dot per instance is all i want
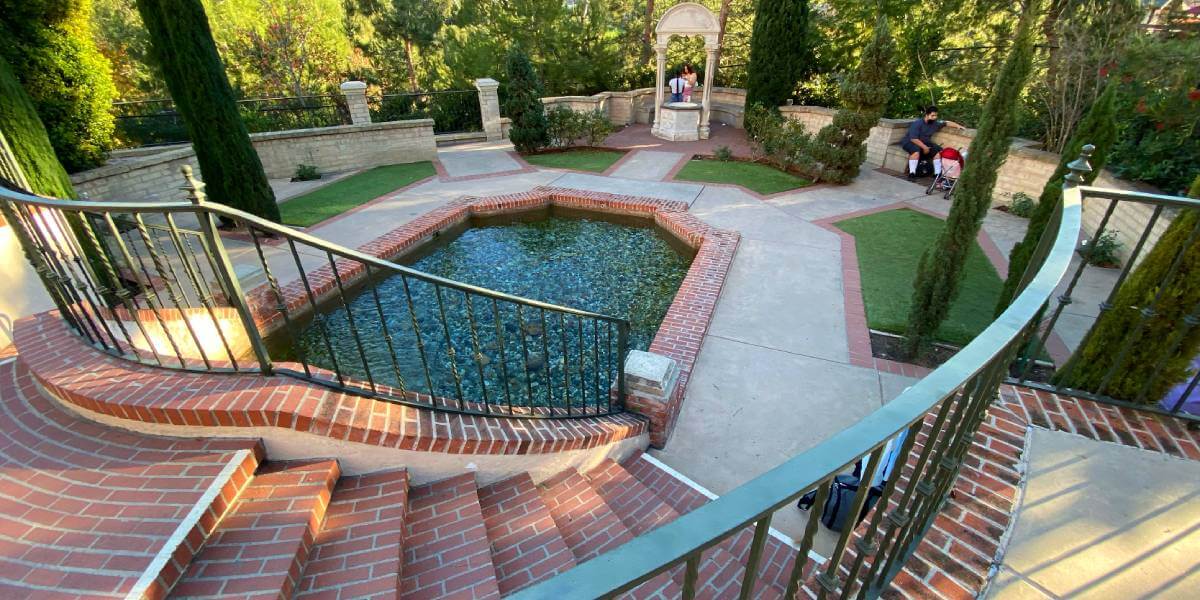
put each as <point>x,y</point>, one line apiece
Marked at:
<point>858,333</point>
<point>679,336</point>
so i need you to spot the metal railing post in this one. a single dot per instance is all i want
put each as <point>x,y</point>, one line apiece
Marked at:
<point>228,279</point>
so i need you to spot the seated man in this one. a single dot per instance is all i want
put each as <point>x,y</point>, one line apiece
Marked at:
<point>919,141</point>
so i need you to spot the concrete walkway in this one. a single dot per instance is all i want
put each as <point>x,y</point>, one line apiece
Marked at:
<point>1102,520</point>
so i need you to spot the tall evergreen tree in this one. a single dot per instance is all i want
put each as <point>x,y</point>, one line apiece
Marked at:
<point>28,141</point>
<point>778,51</point>
<point>839,146</point>
<point>1168,282</point>
<point>940,271</point>
<point>524,104</point>
<point>49,46</point>
<point>182,44</point>
<point>1098,128</point>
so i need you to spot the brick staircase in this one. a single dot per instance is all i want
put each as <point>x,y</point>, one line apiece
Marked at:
<point>95,511</point>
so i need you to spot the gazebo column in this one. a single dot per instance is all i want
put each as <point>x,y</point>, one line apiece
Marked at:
<point>710,65</point>
<point>660,54</point>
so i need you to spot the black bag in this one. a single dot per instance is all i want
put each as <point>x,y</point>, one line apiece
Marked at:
<point>924,166</point>
<point>837,507</point>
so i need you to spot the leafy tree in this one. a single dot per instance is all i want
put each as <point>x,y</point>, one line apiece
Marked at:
<point>48,44</point>
<point>399,28</point>
<point>524,104</point>
<point>28,140</point>
<point>940,271</point>
<point>839,146</point>
<point>778,51</point>
<point>122,39</point>
<point>1166,282</point>
<point>182,43</point>
<point>1098,128</point>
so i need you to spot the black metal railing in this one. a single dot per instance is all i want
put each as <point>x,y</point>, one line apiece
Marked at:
<point>452,111</point>
<point>920,440</point>
<point>154,283</point>
<point>1140,301</point>
<point>156,122</point>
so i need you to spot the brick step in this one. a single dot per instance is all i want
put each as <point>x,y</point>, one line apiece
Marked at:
<point>358,552</point>
<point>526,544</point>
<point>590,528</point>
<point>261,546</point>
<point>446,551</point>
<point>89,510</point>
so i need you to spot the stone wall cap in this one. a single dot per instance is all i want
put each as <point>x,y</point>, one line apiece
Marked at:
<point>340,129</point>
<point>649,367</point>
<point>353,86</point>
<point>486,82</point>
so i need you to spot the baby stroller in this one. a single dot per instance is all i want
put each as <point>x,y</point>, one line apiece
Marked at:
<point>952,165</point>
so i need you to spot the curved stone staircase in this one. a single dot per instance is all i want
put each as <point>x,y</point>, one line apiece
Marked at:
<point>95,511</point>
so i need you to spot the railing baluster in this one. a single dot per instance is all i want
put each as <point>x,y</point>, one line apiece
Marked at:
<point>691,574</point>
<point>546,364</point>
<point>136,263</point>
<point>201,290</point>
<point>122,294</point>
<point>806,541</point>
<point>750,576</point>
<point>566,363</point>
<point>525,353</point>
<point>1190,321</point>
<point>162,268</point>
<point>437,290</point>
<point>318,316</point>
<point>412,313</point>
<point>867,544</point>
<point>387,333</point>
<point>280,301</point>
<point>601,393</point>
<point>828,582</point>
<point>90,284</point>
<point>582,385</point>
<point>341,294</point>
<point>478,351</point>
<point>503,354</point>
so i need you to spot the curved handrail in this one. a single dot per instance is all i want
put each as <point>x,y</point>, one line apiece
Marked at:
<point>753,502</point>
<point>261,224</point>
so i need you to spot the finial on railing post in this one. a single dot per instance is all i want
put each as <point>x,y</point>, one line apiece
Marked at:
<point>194,187</point>
<point>1079,167</point>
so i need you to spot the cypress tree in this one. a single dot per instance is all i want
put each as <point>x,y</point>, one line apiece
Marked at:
<point>1171,298</point>
<point>778,51</point>
<point>939,273</point>
<point>839,146</point>
<point>49,47</point>
<point>524,104</point>
<point>182,43</point>
<point>1098,128</point>
<point>27,138</point>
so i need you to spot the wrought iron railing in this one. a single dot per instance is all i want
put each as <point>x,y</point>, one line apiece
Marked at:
<point>154,282</point>
<point>452,111</point>
<point>1067,337</point>
<point>928,429</point>
<point>142,123</point>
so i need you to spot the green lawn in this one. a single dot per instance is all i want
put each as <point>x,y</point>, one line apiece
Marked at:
<point>758,177</point>
<point>580,160</point>
<point>889,247</point>
<point>343,195</point>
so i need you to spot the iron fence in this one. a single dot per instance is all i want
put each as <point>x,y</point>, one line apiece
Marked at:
<point>452,111</point>
<point>924,434</point>
<point>156,122</point>
<point>154,283</point>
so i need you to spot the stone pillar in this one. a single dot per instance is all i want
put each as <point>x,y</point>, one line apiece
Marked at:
<point>660,54</point>
<point>710,66</point>
<point>489,107</point>
<point>356,100</point>
<point>652,390</point>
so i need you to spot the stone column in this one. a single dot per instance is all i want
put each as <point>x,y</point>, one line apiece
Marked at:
<point>489,107</point>
<point>652,390</point>
<point>356,100</point>
<point>710,65</point>
<point>660,53</point>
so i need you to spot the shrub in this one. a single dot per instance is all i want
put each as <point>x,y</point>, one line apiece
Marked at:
<point>306,173</point>
<point>940,270</point>
<point>563,126</point>
<point>597,127</point>
<point>183,45</point>
<point>779,140</point>
<point>28,140</point>
<point>524,104</point>
<point>1104,252</point>
<point>723,153</point>
<point>49,46</point>
<point>1022,205</point>
<point>778,51</point>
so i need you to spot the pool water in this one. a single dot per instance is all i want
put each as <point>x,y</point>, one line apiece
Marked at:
<point>494,351</point>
